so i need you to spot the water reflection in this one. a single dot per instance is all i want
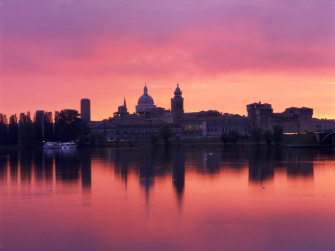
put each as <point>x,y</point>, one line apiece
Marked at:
<point>204,198</point>
<point>261,164</point>
<point>86,176</point>
<point>178,173</point>
<point>13,164</point>
<point>3,167</point>
<point>75,167</point>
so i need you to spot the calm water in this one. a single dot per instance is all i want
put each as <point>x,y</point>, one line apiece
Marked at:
<point>180,199</point>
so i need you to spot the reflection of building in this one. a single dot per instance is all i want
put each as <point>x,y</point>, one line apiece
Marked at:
<point>261,164</point>
<point>299,162</point>
<point>178,173</point>
<point>85,162</point>
<point>85,109</point>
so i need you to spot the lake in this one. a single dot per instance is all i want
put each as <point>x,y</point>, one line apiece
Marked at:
<point>187,198</point>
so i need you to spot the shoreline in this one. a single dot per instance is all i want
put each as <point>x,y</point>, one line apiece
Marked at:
<point>141,144</point>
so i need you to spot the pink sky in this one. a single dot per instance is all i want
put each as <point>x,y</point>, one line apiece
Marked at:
<point>224,54</point>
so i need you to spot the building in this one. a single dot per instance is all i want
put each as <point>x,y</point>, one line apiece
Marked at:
<point>145,103</point>
<point>292,120</point>
<point>259,115</point>
<point>213,124</point>
<point>85,109</point>
<point>226,123</point>
<point>323,125</point>
<point>122,110</point>
<point>177,105</point>
<point>149,118</point>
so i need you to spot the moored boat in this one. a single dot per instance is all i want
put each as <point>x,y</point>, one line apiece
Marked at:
<point>60,145</point>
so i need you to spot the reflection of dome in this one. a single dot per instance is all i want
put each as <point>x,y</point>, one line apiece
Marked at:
<point>177,92</point>
<point>145,99</point>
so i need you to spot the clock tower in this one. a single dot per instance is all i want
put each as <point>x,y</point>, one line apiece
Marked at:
<point>177,106</point>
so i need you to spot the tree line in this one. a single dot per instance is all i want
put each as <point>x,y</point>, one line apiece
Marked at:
<point>257,135</point>
<point>25,131</point>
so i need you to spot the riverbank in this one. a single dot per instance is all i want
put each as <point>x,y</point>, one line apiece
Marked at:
<point>291,141</point>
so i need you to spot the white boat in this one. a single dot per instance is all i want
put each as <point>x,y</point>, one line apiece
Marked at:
<point>68,146</point>
<point>51,145</point>
<point>59,145</point>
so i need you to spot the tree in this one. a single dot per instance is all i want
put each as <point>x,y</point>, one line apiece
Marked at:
<point>13,134</point>
<point>69,125</point>
<point>38,130</point>
<point>95,138</point>
<point>233,136</point>
<point>48,126</point>
<point>165,134</point>
<point>26,130</point>
<point>267,136</point>
<point>224,138</point>
<point>154,139</point>
<point>3,129</point>
<point>277,134</point>
<point>256,134</point>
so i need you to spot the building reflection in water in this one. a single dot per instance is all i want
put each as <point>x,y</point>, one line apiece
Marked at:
<point>71,167</point>
<point>3,167</point>
<point>261,164</point>
<point>67,166</point>
<point>26,162</point>
<point>121,163</point>
<point>299,162</point>
<point>178,173</point>
<point>86,172</point>
<point>146,172</point>
<point>13,165</point>
<point>264,161</point>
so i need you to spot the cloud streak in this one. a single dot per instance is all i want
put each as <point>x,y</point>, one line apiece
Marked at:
<point>74,43</point>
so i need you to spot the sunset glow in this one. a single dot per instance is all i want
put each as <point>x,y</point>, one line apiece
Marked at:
<point>224,54</point>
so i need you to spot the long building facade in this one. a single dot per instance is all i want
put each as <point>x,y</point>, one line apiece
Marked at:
<point>148,118</point>
<point>292,120</point>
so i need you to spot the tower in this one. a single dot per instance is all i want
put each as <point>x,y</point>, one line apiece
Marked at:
<point>177,105</point>
<point>85,109</point>
<point>122,110</point>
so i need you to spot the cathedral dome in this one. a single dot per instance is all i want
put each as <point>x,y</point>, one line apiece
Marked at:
<point>177,92</point>
<point>145,99</point>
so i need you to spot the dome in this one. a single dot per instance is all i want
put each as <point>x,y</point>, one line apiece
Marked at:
<point>145,99</point>
<point>177,91</point>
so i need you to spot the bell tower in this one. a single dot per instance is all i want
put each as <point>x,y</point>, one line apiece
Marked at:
<point>177,105</point>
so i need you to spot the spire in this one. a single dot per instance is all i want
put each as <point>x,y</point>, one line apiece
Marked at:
<point>178,92</point>
<point>124,102</point>
<point>145,89</point>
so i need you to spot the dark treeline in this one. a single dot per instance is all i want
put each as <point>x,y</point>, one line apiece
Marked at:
<point>25,131</point>
<point>257,135</point>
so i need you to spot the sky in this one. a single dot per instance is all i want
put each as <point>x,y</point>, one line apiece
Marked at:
<point>224,54</point>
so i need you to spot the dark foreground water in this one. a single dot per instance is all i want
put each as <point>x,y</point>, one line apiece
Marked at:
<point>177,199</point>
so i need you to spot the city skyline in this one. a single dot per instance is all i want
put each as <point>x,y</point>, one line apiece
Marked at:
<point>224,54</point>
<point>133,111</point>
